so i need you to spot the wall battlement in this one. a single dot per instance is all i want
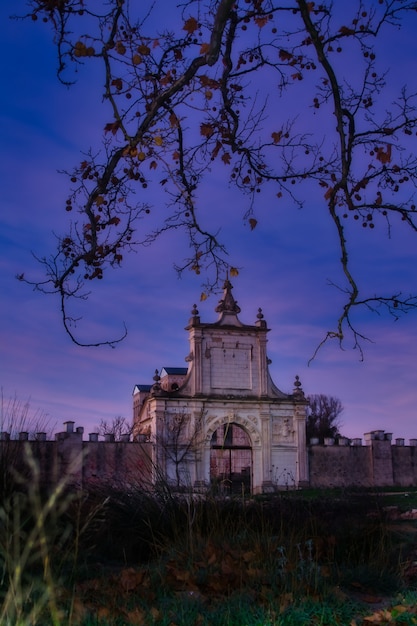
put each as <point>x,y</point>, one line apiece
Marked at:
<point>378,462</point>
<point>123,463</point>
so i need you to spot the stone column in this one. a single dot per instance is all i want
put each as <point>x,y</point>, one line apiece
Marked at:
<point>302,460</point>
<point>266,442</point>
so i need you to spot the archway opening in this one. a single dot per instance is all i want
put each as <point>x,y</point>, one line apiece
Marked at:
<point>231,460</point>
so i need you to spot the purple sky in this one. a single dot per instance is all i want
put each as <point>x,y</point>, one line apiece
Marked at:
<point>285,265</point>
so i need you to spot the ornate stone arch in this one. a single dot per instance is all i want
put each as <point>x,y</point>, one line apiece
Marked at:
<point>247,424</point>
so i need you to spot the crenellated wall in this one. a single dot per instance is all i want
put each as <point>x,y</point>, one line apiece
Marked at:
<point>127,464</point>
<point>77,462</point>
<point>378,463</point>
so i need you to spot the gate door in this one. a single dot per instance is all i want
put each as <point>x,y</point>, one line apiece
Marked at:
<point>231,460</point>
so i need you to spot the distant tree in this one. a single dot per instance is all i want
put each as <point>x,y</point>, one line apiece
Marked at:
<point>17,416</point>
<point>118,426</point>
<point>207,87</point>
<point>323,417</point>
<point>178,445</point>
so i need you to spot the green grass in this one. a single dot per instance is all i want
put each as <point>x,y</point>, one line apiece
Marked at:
<point>106,558</point>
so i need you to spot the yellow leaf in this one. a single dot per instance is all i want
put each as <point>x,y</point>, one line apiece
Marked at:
<point>141,156</point>
<point>158,140</point>
<point>234,271</point>
<point>203,296</point>
<point>136,59</point>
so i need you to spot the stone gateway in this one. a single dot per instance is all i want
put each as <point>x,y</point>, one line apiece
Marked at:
<point>222,422</point>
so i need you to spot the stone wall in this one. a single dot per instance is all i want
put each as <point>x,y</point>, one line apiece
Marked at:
<point>77,462</point>
<point>127,464</point>
<point>378,463</point>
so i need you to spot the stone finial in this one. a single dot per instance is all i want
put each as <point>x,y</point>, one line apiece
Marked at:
<point>195,316</point>
<point>260,322</point>
<point>298,390</point>
<point>227,304</point>
<point>156,387</point>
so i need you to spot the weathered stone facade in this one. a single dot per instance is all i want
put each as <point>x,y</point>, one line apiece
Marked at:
<point>223,419</point>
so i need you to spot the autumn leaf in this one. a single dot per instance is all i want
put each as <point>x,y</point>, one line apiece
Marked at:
<point>344,30</point>
<point>234,272</point>
<point>284,55</point>
<point>112,127</point>
<point>118,83</point>
<point>191,25</point>
<point>173,120</point>
<point>379,617</point>
<point>205,47</point>
<point>216,150</point>
<point>136,59</point>
<point>206,81</point>
<point>208,94</point>
<point>137,617</point>
<point>252,223</point>
<point>384,157</point>
<point>120,48</point>
<point>153,165</point>
<point>203,296</point>
<point>276,137</point>
<point>261,21</point>
<point>99,200</point>
<point>158,140</point>
<point>226,158</point>
<point>81,50</point>
<point>141,156</point>
<point>328,193</point>
<point>144,49</point>
<point>206,130</point>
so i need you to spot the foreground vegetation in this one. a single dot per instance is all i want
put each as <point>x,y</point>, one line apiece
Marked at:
<point>105,557</point>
